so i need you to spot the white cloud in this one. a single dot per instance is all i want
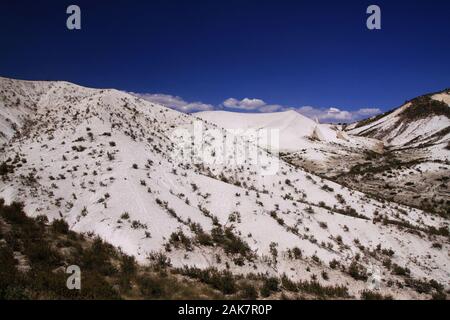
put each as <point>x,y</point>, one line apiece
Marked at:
<point>337,115</point>
<point>175,102</point>
<point>324,115</point>
<point>244,104</point>
<point>248,104</point>
<point>271,108</point>
<point>331,114</point>
<point>369,111</point>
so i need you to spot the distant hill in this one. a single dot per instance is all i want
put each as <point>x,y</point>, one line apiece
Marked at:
<point>421,122</point>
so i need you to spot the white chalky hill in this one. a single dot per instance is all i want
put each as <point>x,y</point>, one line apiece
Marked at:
<point>105,161</point>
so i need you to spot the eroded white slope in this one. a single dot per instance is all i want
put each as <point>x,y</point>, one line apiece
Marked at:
<point>296,131</point>
<point>104,161</point>
<point>305,142</point>
<point>397,130</point>
<point>17,101</point>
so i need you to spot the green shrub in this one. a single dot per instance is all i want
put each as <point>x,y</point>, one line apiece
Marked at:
<point>98,258</point>
<point>334,264</point>
<point>96,287</point>
<point>60,226</point>
<point>400,271</point>
<point>316,289</point>
<point>151,287</point>
<point>297,253</point>
<point>41,254</point>
<point>231,243</point>
<point>5,169</point>
<point>220,280</point>
<point>424,286</point>
<point>357,271</point>
<point>288,284</point>
<point>425,106</point>
<point>269,285</point>
<point>128,265</point>
<point>159,260</point>
<point>8,272</point>
<point>248,291</point>
<point>371,295</point>
<point>178,239</point>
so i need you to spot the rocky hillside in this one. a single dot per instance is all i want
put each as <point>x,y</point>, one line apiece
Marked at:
<point>302,141</point>
<point>421,122</point>
<point>414,167</point>
<point>138,175</point>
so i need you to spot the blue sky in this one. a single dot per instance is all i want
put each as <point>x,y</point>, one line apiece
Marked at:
<point>252,56</point>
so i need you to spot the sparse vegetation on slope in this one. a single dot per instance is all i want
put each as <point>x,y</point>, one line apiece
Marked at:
<point>423,107</point>
<point>107,164</point>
